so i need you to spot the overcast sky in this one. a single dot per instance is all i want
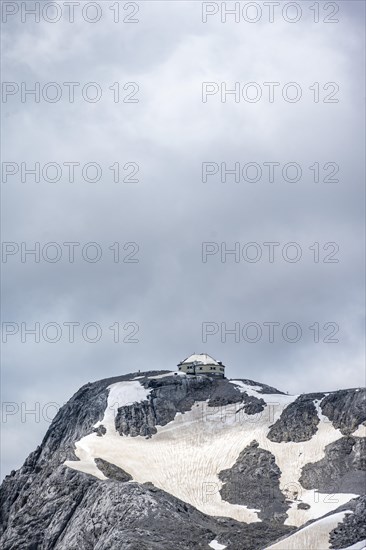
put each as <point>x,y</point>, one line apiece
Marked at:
<point>169,295</point>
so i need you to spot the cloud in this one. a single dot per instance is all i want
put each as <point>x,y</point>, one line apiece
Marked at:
<point>170,292</point>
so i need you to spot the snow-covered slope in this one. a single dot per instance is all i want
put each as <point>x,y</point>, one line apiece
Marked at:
<point>168,461</point>
<point>186,455</point>
<point>357,546</point>
<point>319,534</point>
<point>315,535</point>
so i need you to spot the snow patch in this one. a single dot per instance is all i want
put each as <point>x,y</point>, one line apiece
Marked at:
<point>269,398</point>
<point>242,387</point>
<point>120,395</point>
<point>361,545</point>
<point>216,545</point>
<point>360,432</point>
<point>320,414</point>
<point>171,373</point>
<point>315,535</point>
<point>201,358</point>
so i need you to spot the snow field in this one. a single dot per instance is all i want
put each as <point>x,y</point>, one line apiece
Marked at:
<point>185,457</point>
<point>313,536</point>
<point>216,545</point>
<point>361,545</point>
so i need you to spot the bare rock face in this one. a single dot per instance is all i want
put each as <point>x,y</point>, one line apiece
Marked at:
<point>100,430</point>
<point>342,470</point>
<point>75,512</point>
<point>346,409</point>
<point>353,527</point>
<point>111,470</point>
<point>254,482</point>
<point>252,405</point>
<point>173,394</point>
<point>298,422</point>
<point>142,516</point>
<point>303,506</point>
<point>168,396</point>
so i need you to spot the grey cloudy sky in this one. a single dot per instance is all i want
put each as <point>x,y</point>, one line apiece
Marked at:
<point>170,292</point>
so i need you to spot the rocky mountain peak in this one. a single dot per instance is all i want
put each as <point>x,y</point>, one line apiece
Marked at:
<point>162,459</point>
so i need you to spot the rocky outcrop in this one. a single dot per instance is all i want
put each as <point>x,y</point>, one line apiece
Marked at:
<point>100,430</point>
<point>177,394</point>
<point>111,470</point>
<point>303,506</point>
<point>168,396</point>
<point>298,422</point>
<point>38,500</point>
<point>33,493</point>
<point>119,516</point>
<point>227,393</point>
<point>69,510</point>
<point>39,503</point>
<point>342,470</point>
<point>254,481</point>
<point>252,405</point>
<point>353,527</point>
<point>346,409</point>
